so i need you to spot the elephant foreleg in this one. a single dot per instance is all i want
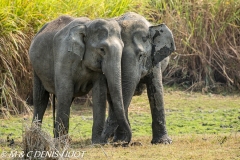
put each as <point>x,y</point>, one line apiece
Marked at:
<point>64,94</point>
<point>54,112</point>
<point>155,96</point>
<point>99,94</point>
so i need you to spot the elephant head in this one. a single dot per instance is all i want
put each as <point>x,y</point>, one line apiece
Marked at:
<point>144,47</point>
<point>93,46</point>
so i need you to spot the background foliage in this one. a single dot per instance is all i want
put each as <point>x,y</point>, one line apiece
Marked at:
<point>207,37</point>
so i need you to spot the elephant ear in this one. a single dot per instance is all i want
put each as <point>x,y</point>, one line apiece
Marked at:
<point>162,41</point>
<point>76,40</point>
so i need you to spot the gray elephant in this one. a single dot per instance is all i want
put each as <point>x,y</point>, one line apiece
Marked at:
<point>70,56</point>
<point>146,50</point>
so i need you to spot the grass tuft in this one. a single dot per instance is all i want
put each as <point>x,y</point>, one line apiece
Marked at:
<point>36,141</point>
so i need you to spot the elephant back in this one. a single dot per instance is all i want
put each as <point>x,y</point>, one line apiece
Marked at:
<point>56,24</point>
<point>132,16</point>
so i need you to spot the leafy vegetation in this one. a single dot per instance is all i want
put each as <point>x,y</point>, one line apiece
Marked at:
<point>19,21</point>
<point>206,35</point>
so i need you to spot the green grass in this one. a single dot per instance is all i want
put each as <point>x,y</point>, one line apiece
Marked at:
<point>193,120</point>
<point>190,113</point>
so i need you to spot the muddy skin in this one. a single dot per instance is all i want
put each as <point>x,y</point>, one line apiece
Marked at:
<point>159,132</point>
<point>145,56</point>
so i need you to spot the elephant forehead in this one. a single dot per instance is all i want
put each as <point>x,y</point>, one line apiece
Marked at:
<point>99,24</point>
<point>103,30</point>
<point>133,25</point>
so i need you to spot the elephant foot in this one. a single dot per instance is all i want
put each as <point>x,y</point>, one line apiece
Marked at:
<point>108,131</point>
<point>164,139</point>
<point>98,141</point>
<point>112,129</point>
<point>119,136</point>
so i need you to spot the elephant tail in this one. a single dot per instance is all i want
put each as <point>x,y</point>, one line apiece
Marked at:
<point>54,119</point>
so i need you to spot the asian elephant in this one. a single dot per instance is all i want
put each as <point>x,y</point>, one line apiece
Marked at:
<point>69,57</point>
<point>146,50</point>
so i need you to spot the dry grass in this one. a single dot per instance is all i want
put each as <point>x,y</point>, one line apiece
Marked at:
<point>222,146</point>
<point>19,21</point>
<point>15,70</point>
<point>225,147</point>
<point>207,36</point>
<point>36,140</point>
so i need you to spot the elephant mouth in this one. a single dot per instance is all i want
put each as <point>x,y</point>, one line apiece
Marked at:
<point>144,72</point>
<point>97,67</point>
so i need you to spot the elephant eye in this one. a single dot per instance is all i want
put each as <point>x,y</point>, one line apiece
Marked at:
<point>144,39</point>
<point>141,55</point>
<point>102,49</point>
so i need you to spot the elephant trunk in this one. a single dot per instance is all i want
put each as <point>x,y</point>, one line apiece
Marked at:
<point>111,67</point>
<point>129,84</point>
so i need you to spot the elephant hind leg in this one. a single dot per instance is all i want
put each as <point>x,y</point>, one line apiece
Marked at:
<point>40,99</point>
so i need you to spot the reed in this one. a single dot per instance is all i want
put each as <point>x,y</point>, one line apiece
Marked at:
<point>207,36</point>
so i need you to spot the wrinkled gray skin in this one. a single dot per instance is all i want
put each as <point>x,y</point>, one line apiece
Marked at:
<point>71,56</point>
<point>144,58</point>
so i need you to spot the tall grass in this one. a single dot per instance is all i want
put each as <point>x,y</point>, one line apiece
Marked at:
<point>207,37</point>
<point>207,34</point>
<point>19,21</point>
